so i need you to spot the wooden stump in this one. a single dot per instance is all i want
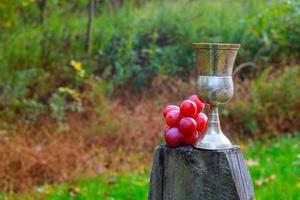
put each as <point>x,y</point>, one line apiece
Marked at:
<point>187,173</point>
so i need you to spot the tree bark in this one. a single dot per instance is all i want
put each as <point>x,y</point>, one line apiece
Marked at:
<point>42,6</point>
<point>186,173</point>
<point>89,40</point>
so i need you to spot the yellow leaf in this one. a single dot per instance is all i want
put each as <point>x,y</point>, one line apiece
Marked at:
<point>73,93</point>
<point>141,169</point>
<point>243,147</point>
<point>263,181</point>
<point>76,65</point>
<point>252,163</point>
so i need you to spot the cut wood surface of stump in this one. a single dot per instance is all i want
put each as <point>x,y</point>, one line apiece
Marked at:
<point>187,173</point>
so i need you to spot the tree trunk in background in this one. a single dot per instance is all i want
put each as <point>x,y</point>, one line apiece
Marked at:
<point>117,4</point>
<point>89,40</point>
<point>42,5</point>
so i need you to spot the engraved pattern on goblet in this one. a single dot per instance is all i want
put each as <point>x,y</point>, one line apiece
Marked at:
<point>215,89</point>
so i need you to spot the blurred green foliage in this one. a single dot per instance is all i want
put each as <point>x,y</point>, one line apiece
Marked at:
<point>133,42</point>
<point>274,104</point>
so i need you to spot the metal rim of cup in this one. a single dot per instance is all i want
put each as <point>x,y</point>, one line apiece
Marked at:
<point>216,46</point>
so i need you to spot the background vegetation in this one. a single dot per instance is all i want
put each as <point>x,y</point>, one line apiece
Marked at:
<point>86,91</point>
<point>270,165</point>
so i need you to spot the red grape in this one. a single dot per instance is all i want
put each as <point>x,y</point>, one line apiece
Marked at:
<point>201,122</point>
<point>188,108</point>
<point>203,115</point>
<point>168,108</point>
<point>198,102</point>
<point>173,118</point>
<point>191,139</point>
<point>187,125</point>
<point>173,137</point>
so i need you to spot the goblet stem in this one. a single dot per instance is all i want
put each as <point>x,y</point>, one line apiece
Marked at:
<point>213,120</point>
<point>213,137</point>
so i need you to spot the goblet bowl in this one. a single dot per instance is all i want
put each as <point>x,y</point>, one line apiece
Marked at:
<point>215,89</point>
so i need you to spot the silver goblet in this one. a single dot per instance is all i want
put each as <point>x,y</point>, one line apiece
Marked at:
<point>214,84</point>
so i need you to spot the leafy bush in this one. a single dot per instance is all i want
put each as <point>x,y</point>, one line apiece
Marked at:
<point>158,41</point>
<point>59,104</point>
<point>274,103</point>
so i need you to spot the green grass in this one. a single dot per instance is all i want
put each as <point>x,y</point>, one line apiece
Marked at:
<point>274,166</point>
<point>279,158</point>
<point>126,187</point>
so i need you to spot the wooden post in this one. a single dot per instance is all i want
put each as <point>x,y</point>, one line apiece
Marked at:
<point>187,173</point>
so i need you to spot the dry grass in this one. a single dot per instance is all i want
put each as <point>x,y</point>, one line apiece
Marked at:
<point>44,153</point>
<point>121,138</point>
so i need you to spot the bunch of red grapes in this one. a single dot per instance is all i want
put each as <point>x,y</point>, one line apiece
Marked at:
<point>184,123</point>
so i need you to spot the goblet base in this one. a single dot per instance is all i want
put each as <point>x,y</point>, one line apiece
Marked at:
<point>214,142</point>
